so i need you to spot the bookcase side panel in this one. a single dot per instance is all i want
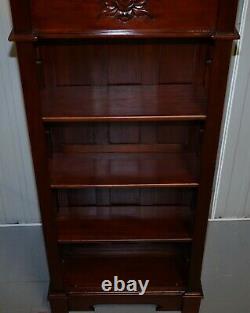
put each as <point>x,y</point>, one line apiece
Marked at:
<point>26,56</point>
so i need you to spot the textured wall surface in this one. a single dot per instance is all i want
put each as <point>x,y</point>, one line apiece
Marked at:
<point>232,198</point>
<point>233,192</point>
<point>18,202</point>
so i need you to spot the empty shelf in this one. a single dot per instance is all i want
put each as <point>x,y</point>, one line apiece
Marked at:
<point>72,170</point>
<point>117,103</point>
<point>124,223</point>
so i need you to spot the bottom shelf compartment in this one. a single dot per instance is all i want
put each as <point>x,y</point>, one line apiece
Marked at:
<point>164,265</point>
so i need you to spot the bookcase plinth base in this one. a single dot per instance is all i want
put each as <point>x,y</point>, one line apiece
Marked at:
<point>63,303</point>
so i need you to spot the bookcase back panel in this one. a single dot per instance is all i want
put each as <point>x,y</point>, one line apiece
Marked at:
<point>170,264</point>
<point>125,197</point>
<point>125,63</point>
<point>125,137</point>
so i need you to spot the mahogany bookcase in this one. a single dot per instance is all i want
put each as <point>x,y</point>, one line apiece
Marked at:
<point>124,100</point>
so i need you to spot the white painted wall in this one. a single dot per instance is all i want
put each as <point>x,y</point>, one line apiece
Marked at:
<point>232,191</point>
<point>18,200</point>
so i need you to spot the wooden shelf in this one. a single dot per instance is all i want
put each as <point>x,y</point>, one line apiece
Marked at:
<point>163,266</point>
<point>124,223</point>
<point>72,170</point>
<point>117,103</point>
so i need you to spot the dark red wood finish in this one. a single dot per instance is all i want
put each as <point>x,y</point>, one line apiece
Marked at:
<point>140,103</point>
<point>164,265</point>
<point>226,15</point>
<point>191,302</point>
<point>124,223</point>
<point>124,109</point>
<point>123,170</point>
<point>94,16</point>
<point>219,71</point>
<point>59,302</point>
<point>27,63</point>
<point>21,16</point>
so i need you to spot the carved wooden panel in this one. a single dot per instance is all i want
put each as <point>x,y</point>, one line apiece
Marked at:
<point>125,10</point>
<point>102,17</point>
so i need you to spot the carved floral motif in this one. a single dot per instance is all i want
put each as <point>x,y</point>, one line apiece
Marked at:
<point>125,10</point>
